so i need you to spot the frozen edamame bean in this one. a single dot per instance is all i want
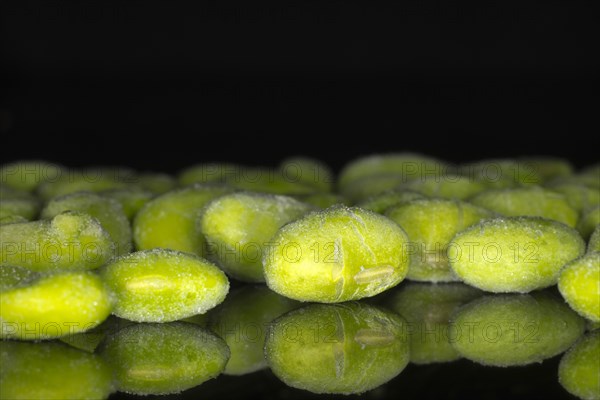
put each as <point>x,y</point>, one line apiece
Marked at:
<point>381,202</point>
<point>155,182</point>
<point>163,285</point>
<point>335,255</point>
<point>594,243</point>
<point>12,219</point>
<point>238,226</point>
<point>169,221</point>
<point>107,211</point>
<point>445,186</point>
<point>515,329</point>
<point>580,197</point>
<point>369,186</point>
<point>502,173</point>
<point>343,348</point>
<point>514,254</point>
<point>579,284</point>
<point>407,166</point>
<point>588,222</point>
<point>530,201</point>
<point>242,321</point>
<point>87,180</point>
<point>18,202</point>
<point>29,174</point>
<point>53,306</point>
<point>309,171</point>
<point>206,173</point>
<point>267,180</point>
<point>323,200</point>
<point>163,358</point>
<point>131,199</point>
<point>427,309</point>
<point>430,225</point>
<point>548,167</point>
<point>69,241</point>
<point>579,368</point>
<point>52,370</point>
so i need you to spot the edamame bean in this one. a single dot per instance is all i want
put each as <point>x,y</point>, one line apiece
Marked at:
<point>502,173</point>
<point>29,174</point>
<point>163,285</point>
<point>207,173</point>
<point>448,186</point>
<point>52,370</point>
<point>155,182</point>
<point>309,171</point>
<point>580,197</point>
<point>12,219</point>
<point>430,225</point>
<point>69,241</point>
<point>370,186</point>
<point>18,202</point>
<point>107,211</point>
<point>52,306</point>
<point>323,200</point>
<point>242,321</point>
<point>548,168</point>
<point>515,329</point>
<point>579,368</point>
<point>427,309</point>
<point>335,255</point>
<point>579,284</point>
<point>267,180</point>
<point>594,242</point>
<point>131,199</point>
<point>87,180</point>
<point>163,358</point>
<point>238,226</point>
<point>588,222</point>
<point>169,221</point>
<point>514,254</point>
<point>530,201</point>
<point>407,166</point>
<point>343,348</point>
<point>394,197</point>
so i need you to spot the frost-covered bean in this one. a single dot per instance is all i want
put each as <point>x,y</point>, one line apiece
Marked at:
<point>238,226</point>
<point>430,225</point>
<point>335,255</point>
<point>155,182</point>
<point>448,186</point>
<point>406,166</point>
<point>343,348</point>
<point>207,173</point>
<point>594,242</point>
<point>169,221</point>
<point>91,180</point>
<point>579,368</point>
<point>52,370</point>
<point>531,201</point>
<point>588,222</point>
<point>163,358</point>
<point>514,329</point>
<point>29,174</point>
<point>514,254</point>
<point>131,199</point>
<point>69,241</point>
<point>107,211</point>
<point>309,171</point>
<point>579,196</point>
<point>502,173</point>
<point>579,284</point>
<point>43,307</point>
<point>548,167</point>
<point>163,285</point>
<point>394,197</point>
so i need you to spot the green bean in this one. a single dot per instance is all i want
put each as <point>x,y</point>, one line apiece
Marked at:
<point>579,368</point>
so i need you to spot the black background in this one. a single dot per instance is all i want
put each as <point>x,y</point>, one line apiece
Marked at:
<point>159,85</point>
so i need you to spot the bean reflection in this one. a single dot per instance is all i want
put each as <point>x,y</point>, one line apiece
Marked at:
<point>242,322</point>
<point>163,358</point>
<point>579,368</point>
<point>51,370</point>
<point>337,348</point>
<point>427,309</point>
<point>505,330</point>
